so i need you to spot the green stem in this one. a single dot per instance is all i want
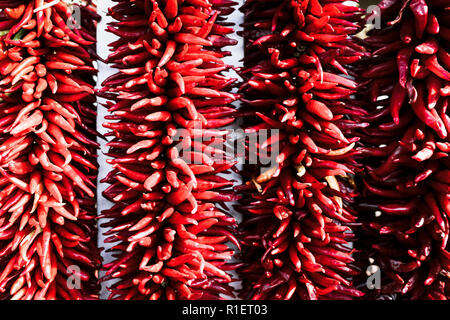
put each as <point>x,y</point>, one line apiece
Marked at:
<point>20,35</point>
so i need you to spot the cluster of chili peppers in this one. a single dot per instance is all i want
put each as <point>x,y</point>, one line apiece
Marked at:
<point>351,115</point>
<point>405,206</point>
<point>297,213</point>
<point>171,235</point>
<point>48,169</point>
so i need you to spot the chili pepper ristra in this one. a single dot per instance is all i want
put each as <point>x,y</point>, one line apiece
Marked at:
<point>298,216</point>
<point>405,209</point>
<point>172,235</point>
<point>48,168</point>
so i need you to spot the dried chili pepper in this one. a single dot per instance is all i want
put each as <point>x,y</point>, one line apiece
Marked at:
<point>295,242</point>
<point>48,169</point>
<point>171,236</point>
<point>404,209</point>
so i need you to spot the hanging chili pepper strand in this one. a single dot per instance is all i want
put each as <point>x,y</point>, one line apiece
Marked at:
<point>297,224</point>
<point>406,183</point>
<point>171,236</point>
<point>48,169</point>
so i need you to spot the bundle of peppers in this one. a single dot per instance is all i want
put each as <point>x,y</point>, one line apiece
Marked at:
<point>361,125</point>
<point>48,169</point>
<point>168,104</point>
<point>405,206</point>
<point>297,212</point>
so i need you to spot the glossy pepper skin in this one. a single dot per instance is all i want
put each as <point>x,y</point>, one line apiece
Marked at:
<point>404,87</point>
<point>297,212</point>
<point>48,169</point>
<point>171,233</point>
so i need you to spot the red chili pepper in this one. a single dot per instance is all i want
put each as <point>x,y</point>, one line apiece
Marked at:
<point>41,130</point>
<point>276,236</point>
<point>158,194</point>
<point>411,231</point>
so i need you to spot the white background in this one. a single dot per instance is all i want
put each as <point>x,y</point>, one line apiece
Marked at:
<point>104,38</point>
